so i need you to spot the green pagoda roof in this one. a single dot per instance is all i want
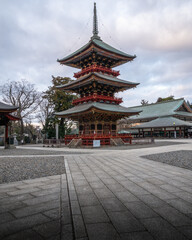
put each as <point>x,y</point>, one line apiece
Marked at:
<point>7,108</point>
<point>99,43</point>
<point>100,106</point>
<point>161,109</point>
<point>120,82</point>
<point>164,122</point>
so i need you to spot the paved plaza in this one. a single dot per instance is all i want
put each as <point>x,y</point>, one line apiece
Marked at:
<point>111,193</point>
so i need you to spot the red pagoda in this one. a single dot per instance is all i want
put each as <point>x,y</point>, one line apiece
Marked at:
<point>97,109</point>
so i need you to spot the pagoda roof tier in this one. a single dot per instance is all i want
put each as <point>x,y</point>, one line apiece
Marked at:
<point>7,108</point>
<point>96,45</point>
<point>100,78</point>
<point>97,107</point>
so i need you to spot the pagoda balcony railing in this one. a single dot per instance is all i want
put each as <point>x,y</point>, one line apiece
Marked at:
<point>104,136</point>
<point>97,98</point>
<point>97,133</point>
<point>94,68</point>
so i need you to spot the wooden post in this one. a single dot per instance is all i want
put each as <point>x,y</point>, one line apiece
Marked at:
<point>95,127</point>
<point>6,143</point>
<point>180,132</point>
<point>57,131</point>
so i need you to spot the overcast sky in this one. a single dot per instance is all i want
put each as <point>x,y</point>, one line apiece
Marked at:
<point>35,33</point>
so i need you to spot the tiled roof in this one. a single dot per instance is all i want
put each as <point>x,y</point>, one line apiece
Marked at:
<point>8,108</point>
<point>101,44</point>
<point>161,109</point>
<point>103,76</point>
<point>164,122</point>
<point>107,47</point>
<point>101,106</point>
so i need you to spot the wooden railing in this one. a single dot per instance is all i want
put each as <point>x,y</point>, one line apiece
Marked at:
<point>89,136</point>
<point>102,135</point>
<point>97,98</point>
<point>95,68</point>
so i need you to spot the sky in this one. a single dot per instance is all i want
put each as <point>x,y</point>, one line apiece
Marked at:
<point>35,33</point>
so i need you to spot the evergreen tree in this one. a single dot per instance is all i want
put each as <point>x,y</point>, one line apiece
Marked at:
<point>59,101</point>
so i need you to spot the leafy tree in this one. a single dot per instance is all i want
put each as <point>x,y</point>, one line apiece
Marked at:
<point>59,101</point>
<point>165,99</point>
<point>144,102</point>
<point>24,95</point>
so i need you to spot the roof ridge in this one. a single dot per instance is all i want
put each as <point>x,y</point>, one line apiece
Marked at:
<point>174,100</point>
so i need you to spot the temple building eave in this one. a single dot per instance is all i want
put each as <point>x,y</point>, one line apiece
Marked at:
<point>164,122</point>
<point>5,108</point>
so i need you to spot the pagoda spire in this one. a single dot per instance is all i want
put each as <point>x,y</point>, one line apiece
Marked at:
<point>95,23</point>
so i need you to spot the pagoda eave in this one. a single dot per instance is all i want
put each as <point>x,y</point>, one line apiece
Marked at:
<point>75,59</point>
<point>89,78</point>
<point>99,108</point>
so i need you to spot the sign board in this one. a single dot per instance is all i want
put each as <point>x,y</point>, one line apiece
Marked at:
<point>96,143</point>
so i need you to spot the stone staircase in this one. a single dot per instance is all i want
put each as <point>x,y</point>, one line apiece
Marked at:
<point>75,142</point>
<point>116,142</point>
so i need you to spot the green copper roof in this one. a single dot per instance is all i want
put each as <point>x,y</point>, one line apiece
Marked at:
<point>7,108</point>
<point>101,75</point>
<point>164,122</point>
<point>161,109</point>
<point>107,47</point>
<point>115,79</point>
<point>184,114</point>
<point>101,106</point>
<point>99,43</point>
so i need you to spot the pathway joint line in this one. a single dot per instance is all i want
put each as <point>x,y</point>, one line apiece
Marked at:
<point>69,200</point>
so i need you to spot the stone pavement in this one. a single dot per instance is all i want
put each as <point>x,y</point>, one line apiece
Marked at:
<point>105,195</point>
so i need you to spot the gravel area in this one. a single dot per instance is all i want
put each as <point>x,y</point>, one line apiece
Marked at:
<point>21,168</point>
<point>181,159</point>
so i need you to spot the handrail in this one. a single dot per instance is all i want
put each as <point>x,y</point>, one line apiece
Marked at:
<point>95,68</point>
<point>97,98</point>
<point>100,134</point>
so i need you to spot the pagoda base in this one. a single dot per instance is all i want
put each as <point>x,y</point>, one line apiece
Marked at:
<point>87,140</point>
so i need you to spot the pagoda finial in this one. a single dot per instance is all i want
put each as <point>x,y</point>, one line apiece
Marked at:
<point>95,23</point>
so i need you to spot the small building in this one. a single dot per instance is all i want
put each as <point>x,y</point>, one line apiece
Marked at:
<point>163,119</point>
<point>6,118</point>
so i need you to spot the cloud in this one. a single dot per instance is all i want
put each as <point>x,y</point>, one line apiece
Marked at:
<point>35,33</point>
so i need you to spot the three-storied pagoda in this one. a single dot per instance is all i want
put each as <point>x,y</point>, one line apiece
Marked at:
<point>97,109</point>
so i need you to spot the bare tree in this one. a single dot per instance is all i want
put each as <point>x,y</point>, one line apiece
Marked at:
<point>45,111</point>
<point>144,102</point>
<point>24,95</point>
